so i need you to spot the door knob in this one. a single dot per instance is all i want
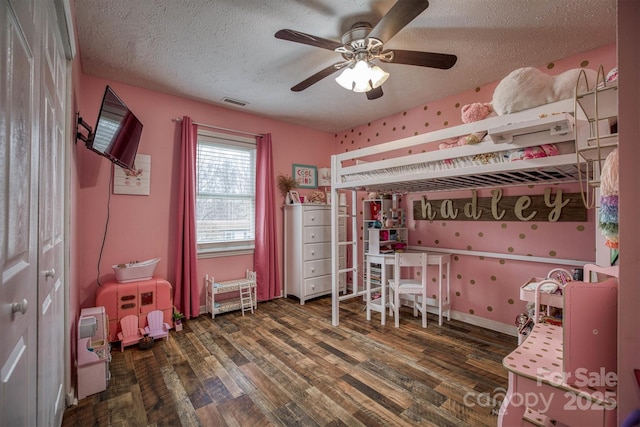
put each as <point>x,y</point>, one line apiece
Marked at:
<point>19,307</point>
<point>49,273</point>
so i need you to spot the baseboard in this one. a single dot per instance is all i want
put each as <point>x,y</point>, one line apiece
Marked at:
<point>471,319</point>
<point>463,317</point>
<point>481,322</point>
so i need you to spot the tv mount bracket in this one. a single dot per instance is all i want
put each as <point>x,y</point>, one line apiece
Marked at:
<point>79,135</point>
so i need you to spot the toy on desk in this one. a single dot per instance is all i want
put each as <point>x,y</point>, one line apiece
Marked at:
<point>524,323</point>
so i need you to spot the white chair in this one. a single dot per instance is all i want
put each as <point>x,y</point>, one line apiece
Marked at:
<point>413,284</point>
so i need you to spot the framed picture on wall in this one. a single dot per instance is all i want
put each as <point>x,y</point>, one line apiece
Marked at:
<point>305,175</point>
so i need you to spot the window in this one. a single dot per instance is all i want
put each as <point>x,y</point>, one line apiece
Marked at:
<point>225,193</point>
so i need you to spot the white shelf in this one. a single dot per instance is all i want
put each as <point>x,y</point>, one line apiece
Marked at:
<point>599,152</point>
<point>600,108</point>
<point>600,103</point>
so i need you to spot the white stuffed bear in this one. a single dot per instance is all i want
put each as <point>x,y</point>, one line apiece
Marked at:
<point>529,87</point>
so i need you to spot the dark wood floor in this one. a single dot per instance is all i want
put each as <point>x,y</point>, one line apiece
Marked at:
<point>286,365</point>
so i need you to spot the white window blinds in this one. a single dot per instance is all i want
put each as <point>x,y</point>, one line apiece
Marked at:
<point>225,194</point>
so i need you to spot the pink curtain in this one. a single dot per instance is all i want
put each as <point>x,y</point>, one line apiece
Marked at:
<point>266,253</point>
<point>186,292</point>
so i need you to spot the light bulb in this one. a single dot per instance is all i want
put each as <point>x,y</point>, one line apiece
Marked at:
<point>345,79</point>
<point>378,76</point>
<point>362,77</point>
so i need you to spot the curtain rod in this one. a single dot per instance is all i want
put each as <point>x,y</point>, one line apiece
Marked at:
<point>177,119</point>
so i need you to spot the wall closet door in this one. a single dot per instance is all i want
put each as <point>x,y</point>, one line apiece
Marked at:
<point>32,74</point>
<point>51,401</point>
<point>18,212</point>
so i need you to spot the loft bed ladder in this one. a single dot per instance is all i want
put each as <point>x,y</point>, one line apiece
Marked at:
<point>347,213</point>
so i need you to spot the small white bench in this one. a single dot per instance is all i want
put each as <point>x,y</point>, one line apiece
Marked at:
<point>246,287</point>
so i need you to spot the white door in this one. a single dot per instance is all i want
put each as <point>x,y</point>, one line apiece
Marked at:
<point>33,74</point>
<point>50,230</point>
<point>18,213</point>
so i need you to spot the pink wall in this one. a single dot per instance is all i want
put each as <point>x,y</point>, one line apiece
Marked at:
<point>482,286</point>
<point>143,227</point>
<point>629,290</point>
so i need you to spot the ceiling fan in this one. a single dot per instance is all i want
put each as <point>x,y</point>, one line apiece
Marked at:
<point>363,44</point>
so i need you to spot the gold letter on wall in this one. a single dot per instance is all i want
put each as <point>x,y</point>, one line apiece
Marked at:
<point>471,208</point>
<point>557,204</point>
<point>496,195</point>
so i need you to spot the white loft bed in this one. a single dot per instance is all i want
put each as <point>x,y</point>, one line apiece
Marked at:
<point>415,164</point>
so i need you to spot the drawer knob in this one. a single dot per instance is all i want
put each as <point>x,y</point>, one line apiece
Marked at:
<point>313,236</point>
<point>313,252</point>
<point>313,270</point>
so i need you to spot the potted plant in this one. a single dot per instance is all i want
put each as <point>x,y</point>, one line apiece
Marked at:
<point>177,319</point>
<point>286,183</point>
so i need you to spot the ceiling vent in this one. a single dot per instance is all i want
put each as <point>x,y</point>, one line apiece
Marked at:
<point>235,102</point>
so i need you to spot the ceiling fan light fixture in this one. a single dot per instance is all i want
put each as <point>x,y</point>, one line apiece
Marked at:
<point>378,76</point>
<point>362,77</point>
<point>345,79</point>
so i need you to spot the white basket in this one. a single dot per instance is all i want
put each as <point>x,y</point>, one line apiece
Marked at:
<point>135,271</point>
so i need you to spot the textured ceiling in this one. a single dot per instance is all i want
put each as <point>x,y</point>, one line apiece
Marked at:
<point>208,50</point>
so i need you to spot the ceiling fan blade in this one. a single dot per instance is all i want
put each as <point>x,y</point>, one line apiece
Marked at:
<point>374,93</point>
<point>326,72</point>
<point>423,59</point>
<point>400,14</point>
<point>298,37</point>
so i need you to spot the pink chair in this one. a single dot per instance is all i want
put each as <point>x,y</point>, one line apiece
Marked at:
<point>156,327</point>
<point>130,333</point>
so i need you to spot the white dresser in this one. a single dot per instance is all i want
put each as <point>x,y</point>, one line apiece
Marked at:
<point>307,251</point>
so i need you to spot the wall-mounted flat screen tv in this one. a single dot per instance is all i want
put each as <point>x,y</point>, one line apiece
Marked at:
<point>117,133</point>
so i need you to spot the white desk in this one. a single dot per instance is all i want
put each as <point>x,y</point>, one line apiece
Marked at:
<point>384,260</point>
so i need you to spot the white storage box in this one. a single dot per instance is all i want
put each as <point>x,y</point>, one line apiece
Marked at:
<point>135,271</point>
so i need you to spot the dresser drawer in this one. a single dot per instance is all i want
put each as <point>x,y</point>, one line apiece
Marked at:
<point>317,251</point>
<point>320,267</point>
<point>316,234</point>
<point>317,285</point>
<point>316,217</point>
<point>317,268</point>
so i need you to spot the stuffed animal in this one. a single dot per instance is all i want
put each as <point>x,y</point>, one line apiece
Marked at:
<point>545,150</point>
<point>471,113</point>
<point>529,87</point>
